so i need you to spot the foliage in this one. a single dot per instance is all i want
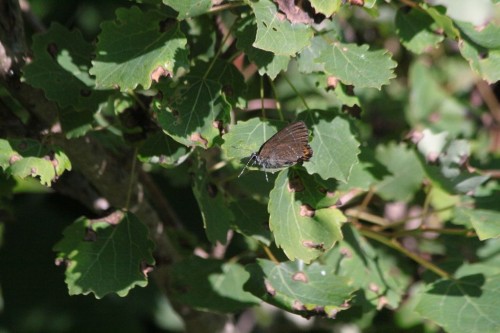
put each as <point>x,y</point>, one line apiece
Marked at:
<point>397,209</point>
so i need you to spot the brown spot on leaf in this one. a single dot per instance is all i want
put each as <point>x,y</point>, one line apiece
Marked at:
<point>298,306</point>
<point>300,276</point>
<point>85,92</point>
<point>332,82</point>
<point>212,190</point>
<point>196,137</point>
<point>306,210</point>
<point>332,314</point>
<point>14,158</point>
<point>34,171</point>
<point>269,288</point>
<point>432,157</point>
<point>313,245</point>
<point>90,235</point>
<point>295,185</point>
<point>319,310</point>
<point>113,218</point>
<point>159,72</point>
<point>346,252</point>
<point>146,268</point>
<point>52,49</point>
<point>373,287</point>
<point>415,136</point>
<point>359,3</point>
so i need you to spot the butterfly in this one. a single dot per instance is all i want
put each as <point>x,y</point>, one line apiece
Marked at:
<point>288,147</point>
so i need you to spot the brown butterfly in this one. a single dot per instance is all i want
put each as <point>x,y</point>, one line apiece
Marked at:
<point>285,148</point>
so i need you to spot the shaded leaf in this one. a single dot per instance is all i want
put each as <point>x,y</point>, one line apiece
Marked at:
<point>208,284</point>
<point>195,110</point>
<point>106,255</point>
<point>161,149</point>
<point>61,69</point>
<point>416,30</point>
<point>251,219</point>
<point>267,62</point>
<point>132,48</point>
<point>214,210</point>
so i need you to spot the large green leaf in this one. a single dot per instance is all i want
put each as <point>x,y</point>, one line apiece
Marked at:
<point>416,30</point>
<point>61,69</point>
<point>133,50</point>
<point>278,35</point>
<point>251,219</point>
<point>107,255</point>
<point>481,49</point>
<point>195,110</point>
<point>356,65</point>
<point>161,149</point>
<point>302,223</point>
<point>267,62</point>
<point>209,284</point>
<point>308,290</point>
<point>335,149</point>
<point>26,157</point>
<point>466,304</point>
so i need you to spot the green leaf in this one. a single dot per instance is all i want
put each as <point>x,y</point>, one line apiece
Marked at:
<point>450,156</point>
<point>300,224</point>
<point>415,28</point>
<point>106,255</point>
<point>194,111</point>
<point>76,124</point>
<point>482,213</point>
<point>134,49</point>
<point>278,35</point>
<point>251,219</point>
<point>486,37</point>
<point>356,65</point>
<point>161,149</point>
<point>189,8</point>
<point>27,157</point>
<point>268,63</point>
<point>466,304</point>
<point>307,57</point>
<point>308,290</point>
<point>335,149</point>
<point>326,7</point>
<point>246,137</point>
<point>481,49</point>
<point>374,271</point>
<point>214,210</point>
<point>431,104</point>
<point>60,68</point>
<point>208,284</point>
<point>406,172</point>
<point>442,20</point>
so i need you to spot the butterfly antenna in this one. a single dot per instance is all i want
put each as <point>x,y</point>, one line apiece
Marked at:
<point>252,158</point>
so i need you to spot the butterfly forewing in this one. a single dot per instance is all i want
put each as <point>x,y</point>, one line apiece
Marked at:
<point>287,147</point>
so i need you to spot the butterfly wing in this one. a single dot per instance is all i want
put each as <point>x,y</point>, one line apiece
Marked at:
<point>287,147</point>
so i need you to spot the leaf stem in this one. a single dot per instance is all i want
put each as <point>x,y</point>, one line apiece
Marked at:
<point>219,50</point>
<point>296,91</point>
<point>394,244</point>
<point>225,6</point>
<point>278,104</point>
<point>131,181</point>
